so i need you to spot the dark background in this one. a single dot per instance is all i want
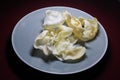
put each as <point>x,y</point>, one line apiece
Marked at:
<point>106,11</point>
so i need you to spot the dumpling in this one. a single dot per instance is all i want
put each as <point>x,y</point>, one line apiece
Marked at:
<point>71,20</point>
<point>65,50</point>
<point>74,23</point>
<point>53,19</point>
<point>40,39</point>
<point>90,29</point>
<point>44,41</point>
<point>74,53</point>
<point>64,32</point>
<point>83,29</point>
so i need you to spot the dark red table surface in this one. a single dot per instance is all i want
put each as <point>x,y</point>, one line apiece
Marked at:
<point>106,11</point>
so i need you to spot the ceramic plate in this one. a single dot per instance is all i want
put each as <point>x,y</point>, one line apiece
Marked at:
<point>27,29</point>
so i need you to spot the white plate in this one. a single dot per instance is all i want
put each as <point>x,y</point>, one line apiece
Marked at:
<point>27,29</point>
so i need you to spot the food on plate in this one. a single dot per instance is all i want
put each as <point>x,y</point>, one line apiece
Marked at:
<point>83,29</point>
<point>53,19</point>
<point>61,34</point>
